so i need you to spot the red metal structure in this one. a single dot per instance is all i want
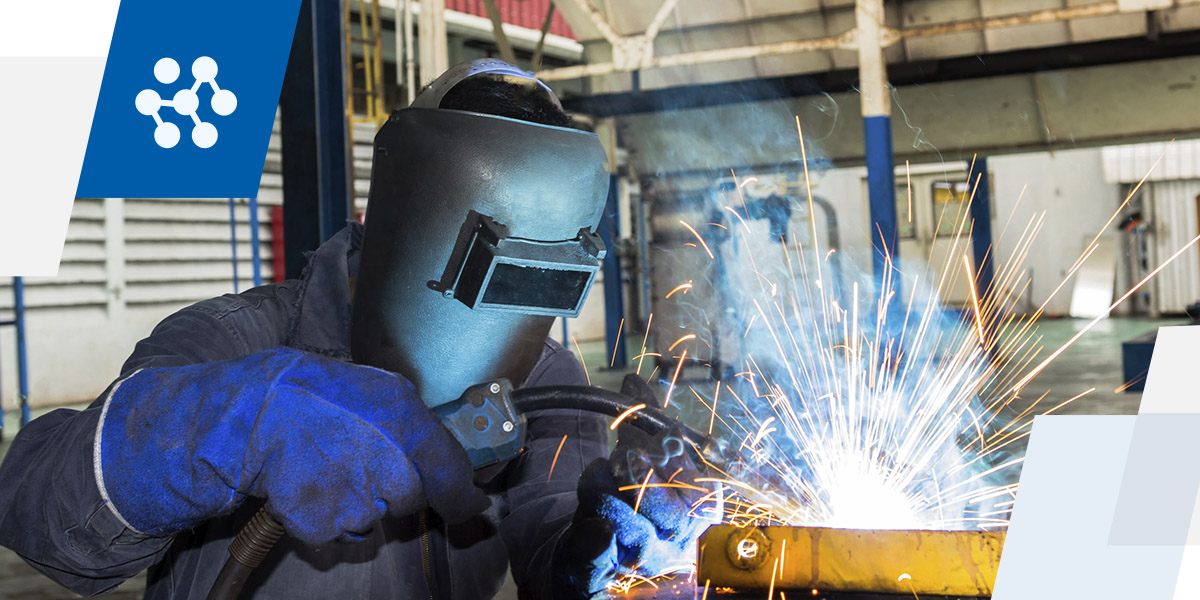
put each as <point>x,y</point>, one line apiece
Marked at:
<point>524,13</point>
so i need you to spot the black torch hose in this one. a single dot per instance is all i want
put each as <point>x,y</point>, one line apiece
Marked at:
<point>256,539</point>
<point>650,419</point>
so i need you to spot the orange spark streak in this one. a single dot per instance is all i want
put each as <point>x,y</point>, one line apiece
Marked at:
<point>642,356</point>
<point>707,582</point>
<point>681,486</point>
<point>555,461</point>
<point>974,300</point>
<point>674,378</point>
<point>713,417</point>
<point>697,234</point>
<point>771,590</point>
<point>581,362</point>
<point>907,577</point>
<point>690,336</point>
<point>1123,386</point>
<point>747,180</point>
<point>908,176</point>
<point>677,472</point>
<point>626,413</point>
<point>1128,197</point>
<point>642,491</point>
<point>682,286</point>
<point>617,344</point>
<point>1090,325</point>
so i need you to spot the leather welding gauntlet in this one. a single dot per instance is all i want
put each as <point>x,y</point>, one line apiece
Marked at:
<point>640,511</point>
<point>332,446</point>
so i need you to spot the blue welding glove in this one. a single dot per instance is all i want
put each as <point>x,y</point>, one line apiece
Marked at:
<point>332,446</point>
<point>640,511</point>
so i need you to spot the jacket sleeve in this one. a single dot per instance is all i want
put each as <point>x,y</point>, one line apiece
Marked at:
<point>52,512</point>
<point>542,490</point>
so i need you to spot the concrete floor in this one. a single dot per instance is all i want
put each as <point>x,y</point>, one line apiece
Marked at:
<point>1094,361</point>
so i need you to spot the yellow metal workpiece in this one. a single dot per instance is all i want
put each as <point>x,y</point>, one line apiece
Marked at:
<point>947,563</point>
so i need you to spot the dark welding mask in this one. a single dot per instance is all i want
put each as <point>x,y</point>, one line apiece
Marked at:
<point>480,230</point>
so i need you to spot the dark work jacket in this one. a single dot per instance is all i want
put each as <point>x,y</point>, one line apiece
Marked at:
<point>52,514</point>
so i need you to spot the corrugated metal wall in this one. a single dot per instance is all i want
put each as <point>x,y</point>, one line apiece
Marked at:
<point>1131,162</point>
<point>1174,225</point>
<point>126,264</point>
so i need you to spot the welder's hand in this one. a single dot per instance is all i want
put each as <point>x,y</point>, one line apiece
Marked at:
<point>640,511</point>
<point>332,446</point>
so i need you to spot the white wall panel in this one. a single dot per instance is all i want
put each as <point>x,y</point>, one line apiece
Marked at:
<point>1129,163</point>
<point>1174,225</point>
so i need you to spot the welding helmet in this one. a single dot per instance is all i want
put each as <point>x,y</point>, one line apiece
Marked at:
<point>480,230</point>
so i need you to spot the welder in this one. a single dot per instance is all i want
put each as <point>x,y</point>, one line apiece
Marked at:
<point>312,397</point>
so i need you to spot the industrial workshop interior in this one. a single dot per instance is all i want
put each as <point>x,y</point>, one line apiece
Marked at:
<point>824,263</point>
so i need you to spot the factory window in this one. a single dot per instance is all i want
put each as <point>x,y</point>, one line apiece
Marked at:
<point>950,206</point>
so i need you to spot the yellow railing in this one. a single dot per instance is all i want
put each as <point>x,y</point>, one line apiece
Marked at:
<point>368,40</point>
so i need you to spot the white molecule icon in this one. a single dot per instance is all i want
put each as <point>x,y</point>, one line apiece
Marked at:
<point>186,102</point>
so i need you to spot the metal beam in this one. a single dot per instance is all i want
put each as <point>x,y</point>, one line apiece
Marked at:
<point>941,563</point>
<point>900,74</point>
<point>846,41</point>
<point>599,21</point>
<point>945,121</point>
<point>314,134</point>
<point>506,49</point>
<point>541,44</point>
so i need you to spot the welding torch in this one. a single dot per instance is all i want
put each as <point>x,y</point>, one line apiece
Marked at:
<point>489,421</point>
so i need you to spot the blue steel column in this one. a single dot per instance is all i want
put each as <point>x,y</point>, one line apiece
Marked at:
<point>314,134</point>
<point>614,287</point>
<point>22,359</point>
<point>981,228</point>
<point>877,133</point>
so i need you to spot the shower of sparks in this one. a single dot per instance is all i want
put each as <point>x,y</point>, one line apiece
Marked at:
<point>859,409</point>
